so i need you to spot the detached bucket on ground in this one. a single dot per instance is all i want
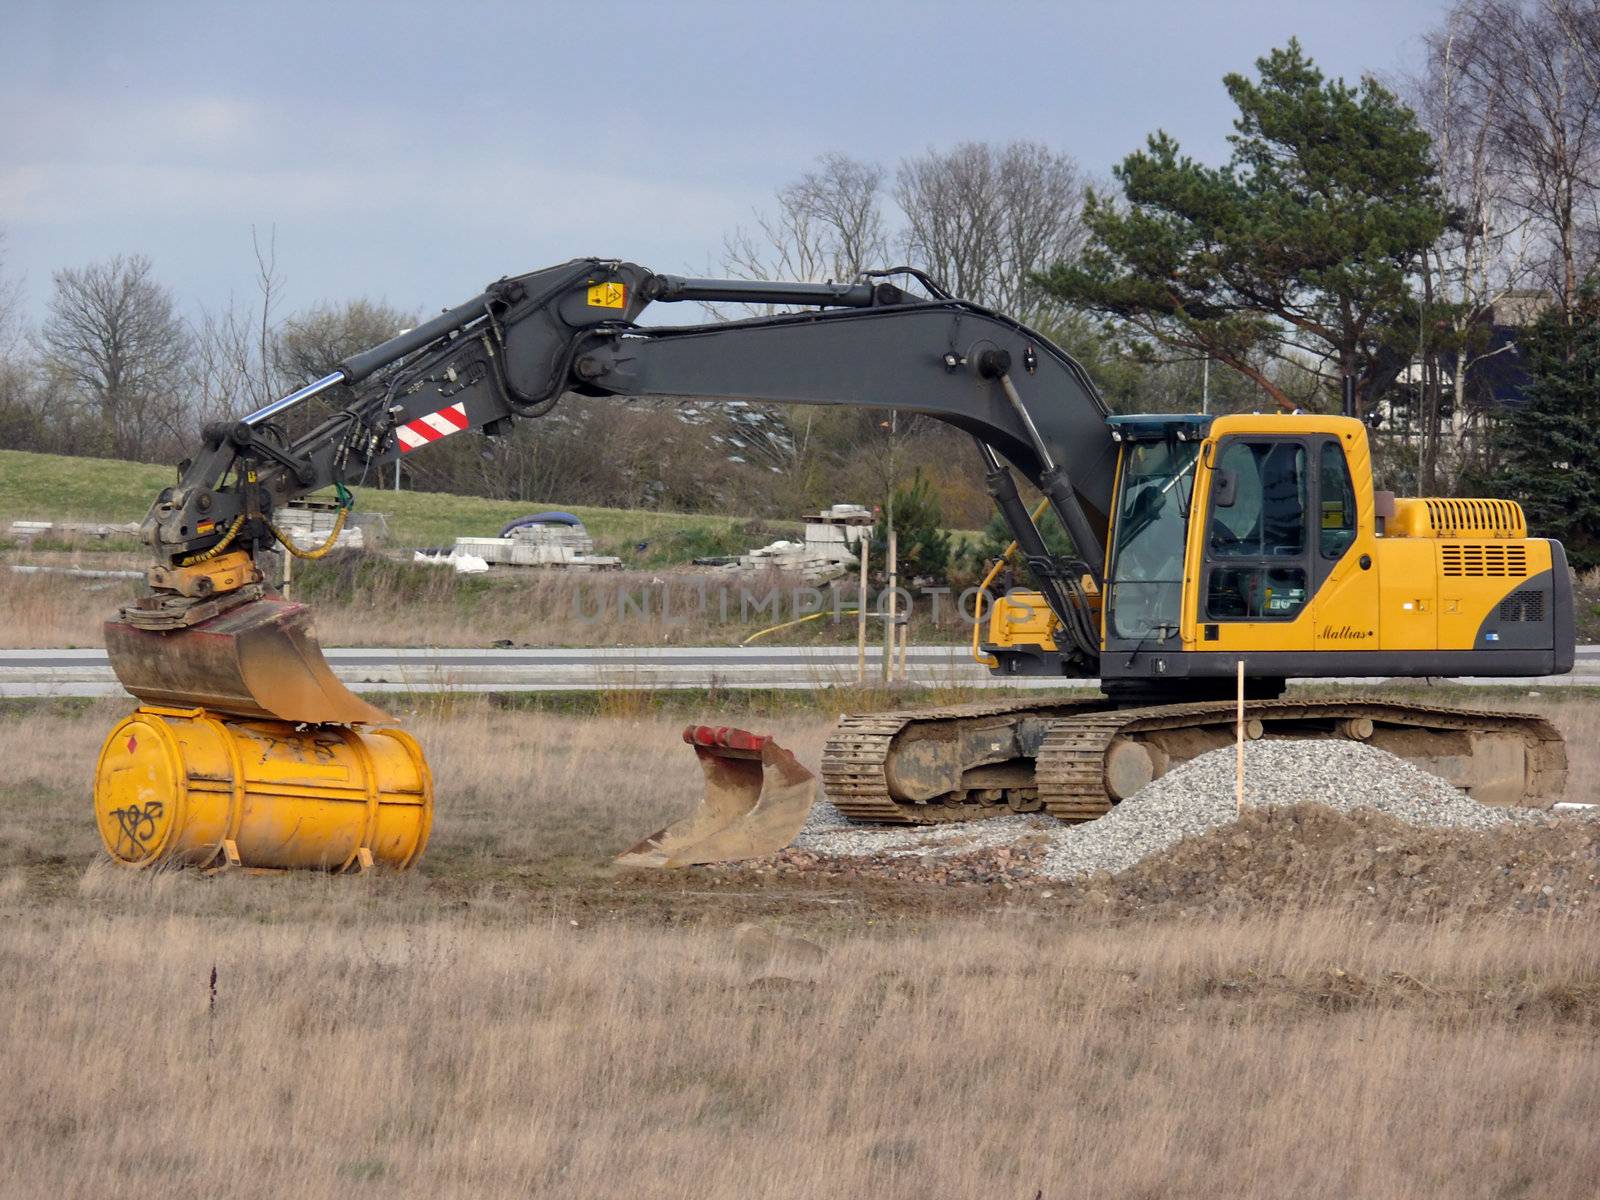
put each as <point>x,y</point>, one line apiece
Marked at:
<point>757,798</point>
<point>188,787</point>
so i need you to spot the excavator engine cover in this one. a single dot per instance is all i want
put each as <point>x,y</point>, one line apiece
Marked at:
<point>757,797</point>
<point>259,658</point>
<point>188,787</point>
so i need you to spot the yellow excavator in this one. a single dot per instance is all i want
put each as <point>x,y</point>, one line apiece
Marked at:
<point>1199,543</point>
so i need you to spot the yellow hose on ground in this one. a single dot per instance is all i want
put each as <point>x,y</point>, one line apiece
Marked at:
<point>848,612</point>
<point>983,589</point>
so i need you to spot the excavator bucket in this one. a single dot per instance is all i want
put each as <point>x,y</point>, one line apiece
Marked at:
<point>757,798</point>
<point>256,659</point>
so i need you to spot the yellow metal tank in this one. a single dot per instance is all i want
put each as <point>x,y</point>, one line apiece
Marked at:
<point>186,786</point>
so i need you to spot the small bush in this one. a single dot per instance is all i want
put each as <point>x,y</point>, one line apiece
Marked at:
<point>922,546</point>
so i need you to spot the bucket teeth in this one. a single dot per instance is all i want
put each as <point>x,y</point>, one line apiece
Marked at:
<point>757,797</point>
<point>257,659</point>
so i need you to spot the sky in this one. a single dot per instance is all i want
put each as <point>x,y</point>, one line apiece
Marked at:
<point>413,152</point>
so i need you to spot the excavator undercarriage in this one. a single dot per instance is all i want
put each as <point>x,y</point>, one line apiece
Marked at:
<point>1075,759</point>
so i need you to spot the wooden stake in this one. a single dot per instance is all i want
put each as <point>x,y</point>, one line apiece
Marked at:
<point>888,623</point>
<point>1238,783</point>
<point>863,548</point>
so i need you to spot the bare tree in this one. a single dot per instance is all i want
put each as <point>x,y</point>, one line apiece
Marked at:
<point>828,225</point>
<point>235,368</point>
<point>982,219</point>
<point>310,345</point>
<point>112,337</point>
<point>10,305</point>
<point>225,363</point>
<point>21,426</point>
<point>1485,252</point>
<point>1539,61</point>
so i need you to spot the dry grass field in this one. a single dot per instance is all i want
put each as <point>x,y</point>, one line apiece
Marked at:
<point>374,601</point>
<point>516,1018</point>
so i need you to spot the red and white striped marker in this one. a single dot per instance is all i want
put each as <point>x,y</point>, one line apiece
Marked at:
<point>432,427</point>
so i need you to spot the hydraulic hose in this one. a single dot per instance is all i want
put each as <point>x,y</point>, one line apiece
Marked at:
<point>208,555</point>
<point>321,551</point>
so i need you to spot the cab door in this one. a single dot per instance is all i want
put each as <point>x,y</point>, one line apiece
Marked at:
<point>1257,573</point>
<point>1346,577</point>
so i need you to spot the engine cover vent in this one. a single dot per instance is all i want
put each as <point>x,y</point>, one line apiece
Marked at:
<point>1525,605</point>
<point>1479,559</point>
<point>1449,519</point>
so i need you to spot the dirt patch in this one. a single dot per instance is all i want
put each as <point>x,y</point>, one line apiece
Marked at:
<point>1308,855</point>
<point>1281,859</point>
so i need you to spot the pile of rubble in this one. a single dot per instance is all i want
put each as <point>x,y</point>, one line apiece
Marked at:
<point>832,539</point>
<point>544,540</point>
<point>1323,819</point>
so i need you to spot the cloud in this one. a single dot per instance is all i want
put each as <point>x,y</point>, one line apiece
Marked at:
<point>483,194</point>
<point>85,127</point>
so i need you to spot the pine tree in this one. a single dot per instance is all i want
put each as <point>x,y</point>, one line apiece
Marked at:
<point>978,555</point>
<point>1551,442</point>
<point>1299,248</point>
<point>921,545</point>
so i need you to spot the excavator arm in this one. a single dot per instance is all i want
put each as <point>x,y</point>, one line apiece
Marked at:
<point>514,350</point>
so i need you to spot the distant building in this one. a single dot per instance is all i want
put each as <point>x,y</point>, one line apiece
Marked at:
<point>1497,377</point>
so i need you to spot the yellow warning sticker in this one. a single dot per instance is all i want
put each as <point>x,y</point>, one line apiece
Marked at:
<point>607,295</point>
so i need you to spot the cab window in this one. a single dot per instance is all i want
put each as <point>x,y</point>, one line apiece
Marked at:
<point>1256,545</point>
<point>1147,551</point>
<point>1337,495</point>
<point>1267,518</point>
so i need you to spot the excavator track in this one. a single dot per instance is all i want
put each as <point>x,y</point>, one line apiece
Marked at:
<point>1092,755</point>
<point>855,760</point>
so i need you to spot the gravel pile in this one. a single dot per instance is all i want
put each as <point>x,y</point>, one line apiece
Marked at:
<point>1199,795</point>
<point>827,832</point>
<point>1190,799</point>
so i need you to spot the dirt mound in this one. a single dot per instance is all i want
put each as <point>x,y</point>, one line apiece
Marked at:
<point>1303,857</point>
<point>1018,863</point>
<point>1309,856</point>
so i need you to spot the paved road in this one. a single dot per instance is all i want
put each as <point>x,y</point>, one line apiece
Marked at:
<point>87,673</point>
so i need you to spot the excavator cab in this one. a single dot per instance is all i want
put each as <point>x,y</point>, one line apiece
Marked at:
<point>1260,537</point>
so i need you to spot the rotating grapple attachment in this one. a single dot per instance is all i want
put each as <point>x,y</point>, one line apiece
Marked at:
<point>757,797</point>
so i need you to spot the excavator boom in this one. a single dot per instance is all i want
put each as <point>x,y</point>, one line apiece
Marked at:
<point>515,349</point>
<point>511,353</point>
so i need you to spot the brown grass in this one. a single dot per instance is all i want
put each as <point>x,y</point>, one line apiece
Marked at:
<point>457,1058</point>
<point>373,601</point>
<point>517,1019</point>
<point>38,611</point>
